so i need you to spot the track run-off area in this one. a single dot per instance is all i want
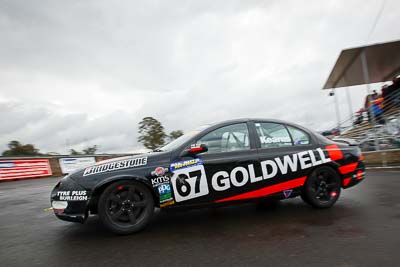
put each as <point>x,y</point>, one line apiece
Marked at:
<point>362,229</point>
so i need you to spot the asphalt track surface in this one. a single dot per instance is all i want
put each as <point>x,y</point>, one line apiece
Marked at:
<point>362,229</point>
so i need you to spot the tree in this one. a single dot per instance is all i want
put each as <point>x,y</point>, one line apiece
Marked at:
<point>175,134</point>
<point>17,149</point>
<point>74,152</point>
<point>151,133</point>
<point>91,150</point>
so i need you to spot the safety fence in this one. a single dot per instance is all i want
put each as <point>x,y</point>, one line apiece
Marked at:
<point>373,131</point>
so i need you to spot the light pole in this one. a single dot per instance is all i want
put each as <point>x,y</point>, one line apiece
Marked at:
<point>332,93</point>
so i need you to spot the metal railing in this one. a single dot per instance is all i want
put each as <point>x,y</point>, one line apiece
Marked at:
<point>385,133</point>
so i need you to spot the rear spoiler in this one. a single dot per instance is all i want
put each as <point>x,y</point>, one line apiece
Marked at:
<point>348,141</point>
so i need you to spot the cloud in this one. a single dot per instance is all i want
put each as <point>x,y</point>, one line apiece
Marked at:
<point>81,73</point>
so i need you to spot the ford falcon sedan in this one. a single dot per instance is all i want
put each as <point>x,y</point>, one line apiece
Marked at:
<point>224,163</point>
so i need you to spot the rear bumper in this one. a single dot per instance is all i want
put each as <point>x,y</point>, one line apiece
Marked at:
<point>355,176</point>
<point>70,201</point>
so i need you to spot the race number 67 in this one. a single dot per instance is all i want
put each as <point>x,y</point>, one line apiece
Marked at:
<point>189,183</point>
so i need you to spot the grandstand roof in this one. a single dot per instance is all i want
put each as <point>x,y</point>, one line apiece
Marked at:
<point>383,61</point>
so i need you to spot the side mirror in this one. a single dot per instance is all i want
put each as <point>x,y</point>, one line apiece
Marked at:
<point>194,150</point>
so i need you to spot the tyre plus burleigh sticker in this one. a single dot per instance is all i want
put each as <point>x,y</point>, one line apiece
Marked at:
<point>72,195</point>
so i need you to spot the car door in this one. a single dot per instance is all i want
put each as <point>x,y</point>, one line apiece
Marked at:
<point>220,172</point>
<point>286,153</point>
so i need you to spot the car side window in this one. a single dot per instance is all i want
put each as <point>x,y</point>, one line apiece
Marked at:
<point>299,137</point>
<point>273,135</point>
<point>225,139</point>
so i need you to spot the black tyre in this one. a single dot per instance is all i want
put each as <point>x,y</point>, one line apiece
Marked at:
<point>322,188</point>
<point>126,207</point>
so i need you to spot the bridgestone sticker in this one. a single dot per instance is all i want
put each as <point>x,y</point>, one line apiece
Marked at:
<point>72,195</point>
<point>117,165</point>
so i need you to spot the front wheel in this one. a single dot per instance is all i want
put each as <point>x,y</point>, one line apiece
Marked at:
<point>126,207</point>
<point>322,188</point>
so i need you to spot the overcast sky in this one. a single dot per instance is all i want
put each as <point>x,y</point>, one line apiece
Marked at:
<point>79,73</point>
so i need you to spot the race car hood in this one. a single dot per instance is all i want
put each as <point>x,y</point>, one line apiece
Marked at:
<point>139,166</point>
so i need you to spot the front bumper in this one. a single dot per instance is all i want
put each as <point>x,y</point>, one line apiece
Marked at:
<point>70,201</point>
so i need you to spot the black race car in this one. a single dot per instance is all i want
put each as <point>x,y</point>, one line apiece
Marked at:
<point>229,162</point>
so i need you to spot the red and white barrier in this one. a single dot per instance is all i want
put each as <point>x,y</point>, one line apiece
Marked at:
<point>24,168</point>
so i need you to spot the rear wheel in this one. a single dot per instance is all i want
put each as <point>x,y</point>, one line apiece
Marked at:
<point>322,188</point>
<point>126,207</point>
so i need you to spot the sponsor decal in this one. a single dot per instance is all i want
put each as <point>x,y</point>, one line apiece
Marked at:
<point>185,164</point>
<point>240,176</point>
<point>159,181</point>
<point>165,192</point>
<point>117,165</point>
<point>159,171</point>
<point>189,180</point>
<point>72,196</point>
<point>287,193</point>
<point>164,189</point>
<point>274,140</point>
<point>169,203</point>
<point>24,168</point>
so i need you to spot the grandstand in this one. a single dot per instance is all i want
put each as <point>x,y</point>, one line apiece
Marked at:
<point>376,126</point>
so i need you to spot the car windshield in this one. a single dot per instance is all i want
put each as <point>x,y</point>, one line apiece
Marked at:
<point>181,140</point>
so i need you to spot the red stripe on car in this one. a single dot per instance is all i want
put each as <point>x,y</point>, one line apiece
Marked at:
<point>348,168</point>
<point>267,190</point>
<point>334,152</point>
<point>346,181</point>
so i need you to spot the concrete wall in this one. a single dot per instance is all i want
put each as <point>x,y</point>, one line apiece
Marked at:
<point>382,158</point>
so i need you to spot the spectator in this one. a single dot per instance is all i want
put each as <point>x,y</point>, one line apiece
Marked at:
<point>377,108</point>
<point>359,116</point>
